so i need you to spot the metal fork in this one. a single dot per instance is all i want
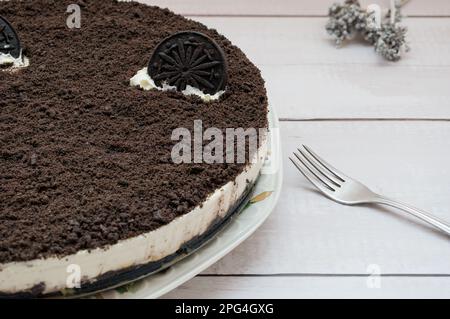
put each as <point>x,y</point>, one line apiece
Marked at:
<point>345,190</point>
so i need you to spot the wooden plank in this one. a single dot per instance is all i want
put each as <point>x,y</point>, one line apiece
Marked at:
<point>358,92</point>
<point>287,7</point>
<point>307,78</point>
<point>304,41</point>
<point>311,287</point>
<point>309,234</point>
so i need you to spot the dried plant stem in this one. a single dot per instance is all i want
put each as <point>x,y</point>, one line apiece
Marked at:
<point>387,36</point>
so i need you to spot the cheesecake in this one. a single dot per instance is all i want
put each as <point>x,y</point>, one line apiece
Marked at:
<point>89,187</point>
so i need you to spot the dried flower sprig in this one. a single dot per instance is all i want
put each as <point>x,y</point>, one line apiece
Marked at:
<point>387,36</point>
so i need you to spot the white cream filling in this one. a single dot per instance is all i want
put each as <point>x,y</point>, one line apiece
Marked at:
<point>153,246</point>
<point>143,80</point>
<point>15,63</point>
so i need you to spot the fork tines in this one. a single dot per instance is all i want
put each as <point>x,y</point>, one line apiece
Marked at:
<point>324,176</point>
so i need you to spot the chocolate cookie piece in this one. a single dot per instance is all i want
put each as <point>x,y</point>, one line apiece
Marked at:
<point>189,58</point>
<point>9,40</point>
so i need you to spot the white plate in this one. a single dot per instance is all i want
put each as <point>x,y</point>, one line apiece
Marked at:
<point>265,196</point>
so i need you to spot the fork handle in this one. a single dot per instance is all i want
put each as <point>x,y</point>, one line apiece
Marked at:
<point>439,224</point>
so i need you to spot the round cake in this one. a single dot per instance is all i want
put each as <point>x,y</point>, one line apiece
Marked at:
<point>87,175</point>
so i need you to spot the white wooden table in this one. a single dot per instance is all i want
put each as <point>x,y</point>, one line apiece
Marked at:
<point>385,123</point>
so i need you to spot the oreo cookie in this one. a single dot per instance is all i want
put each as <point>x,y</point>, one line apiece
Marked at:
<point>189,58</point>
<point>9,40</point>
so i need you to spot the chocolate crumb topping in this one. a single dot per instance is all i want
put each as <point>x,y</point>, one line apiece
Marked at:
<point>85,159</point>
